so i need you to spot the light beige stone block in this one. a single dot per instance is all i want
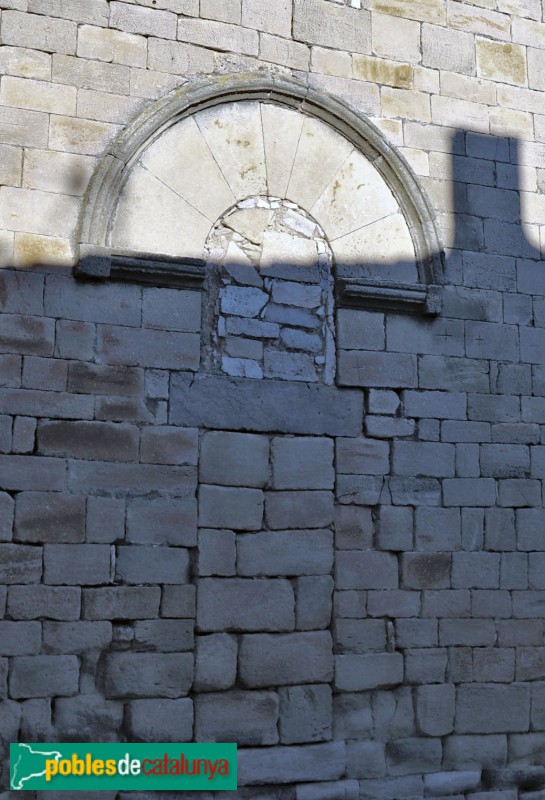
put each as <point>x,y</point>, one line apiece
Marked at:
<point>478,20</point>
<point>38,212</point>
<point>110,45</point>
<point>508,122</point>
<point>234,135</point>
<point>108,107</point>
<point>452,50</point>
<point>428,137</point>
<point>392,128</point>
<point>501,62</point>
<point>39,33</point>
<point>30,249</point>
<point>476,90</point>
<point>521,8</point>
<point>379,70</point>
<point>526,31</point>
<point>188,7</point>
<point>405,103</point>
<point>87,74</point>
<point>361,95</point>
<point>520,99</point>
<point>532,206</point>
<point>16,5</point>
<point>324,23</point>
<point>184,59</point>
<point>53,98</point>
<point>182,160</point>
<point>451,111</point>
<point>423,10</point>
<point>11,165</point>
<point>320,155</point>
<point>219,35</point>
<point>356,196</point>
<point>95,12</point>
<point>152,218</point>
<point>51,171</point>
<point>250,223</point>
<point>281,134</point>
<point>331,62</point>
<point>24,128</point>
<point>82,136</point>
<point>417,159</point>
<point>151,84</point>
<point>386,242</point>
<point>536,68</point>
<point>222,10</point>
<point>283,51</point>
<point>269,17</point>
<point>397,39</point>
<point>426,80</point>
<point>25,63</point>
<point>6,248</point>
<point>148,21</point>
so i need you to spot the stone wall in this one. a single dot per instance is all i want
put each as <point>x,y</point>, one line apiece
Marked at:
<point>282,502</point>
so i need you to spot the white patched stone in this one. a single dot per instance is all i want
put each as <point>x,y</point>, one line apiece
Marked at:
<point>356,196</point>
<point>282,248</point>
<point>153,218</point>
<point>182,160</point>
<point>242,301</point>
<point>281,134</point>
<point>296,294</point>
<point>234,135</point>
<point>320,154</point>
<point>250,223</point>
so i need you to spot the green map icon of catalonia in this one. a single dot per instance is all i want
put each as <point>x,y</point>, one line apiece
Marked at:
<point>28,762</point>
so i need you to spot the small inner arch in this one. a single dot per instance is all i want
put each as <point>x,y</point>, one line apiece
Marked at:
<point>270,312</point>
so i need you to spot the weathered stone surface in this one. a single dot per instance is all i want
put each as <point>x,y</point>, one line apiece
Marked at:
<point>215,662</point>
<point>324,761</point>
<point>283,660</point>
<point>248,718</point>
<point>244,405</point>
<point>285,553</point>
<point>234,459</point>
<point>305,714</point>
<point>127,675</point>
<point>161,720</point>
<point>245,605</point>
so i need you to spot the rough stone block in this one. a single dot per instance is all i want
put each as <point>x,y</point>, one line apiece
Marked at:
<point>317,22</point>
<point>44,676</point>
<point>169,445</point>
<point>313,602</point>
<point>435,404</point>
<point>492,708</point>
<point>248,718</point>
<point>404,756</point>
<point>426,571</point>
<point>475,752</point>
<point>143,564</point>
<point>51,602</point>
<point>38,32</point>
<point>475,570</point>
<point>353,528</point>
<point>148,348</point>
<point>162,521</point>
<point>363,368</point>
<point>20,564</point>
<point>324,762</point>
<point>428,665</point>
<point>357,673</point>
<point>134,479</point>
<point>245,404</point>
<point>366,570</point>
<point>243,604</point>
<point>285,660</point>
<point>178,601</point>
<point>88,440</point>
<point>234,459</point>
<point>305,714</point>
<point>469,492</point>
<point>360,635</point>
<point>423,458</point>
<point>362,457</point>
<point>76,637</point>
<point>161,720</point>
<point>438,529</point>
<point>302,463</point>
<point>230,508</point>
<point>285,553</point>
<point>49,517</point>
<point>87,718</point>
<point>147,674</point>
<point>215,662</point>
<point>20,638</point>
<point>299,509</point>
<point>121,602</point>
<point>217,552</point>
<point>165,635</point>
<point>83,564</point>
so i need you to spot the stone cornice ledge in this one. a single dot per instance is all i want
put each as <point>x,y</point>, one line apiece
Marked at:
<point>390,296</point>
<point>175,273</point>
